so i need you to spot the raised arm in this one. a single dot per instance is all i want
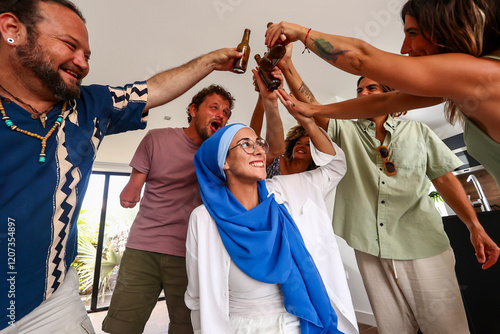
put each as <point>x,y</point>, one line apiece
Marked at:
<point>316,135</point>
<point>453,193</point>
<point>275,135</point>
<point>170,84</point>
<point>451,75</point>
<point>131,194</point>
<point>257,117</point>
<point>297,86</point>
<point>368,106</point>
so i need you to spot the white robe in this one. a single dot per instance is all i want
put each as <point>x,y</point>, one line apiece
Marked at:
<point>304,196</point>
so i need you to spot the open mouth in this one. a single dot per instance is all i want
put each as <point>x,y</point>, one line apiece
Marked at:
<point>257,164</point>
<point>73,74</point>
<point>215,126</point>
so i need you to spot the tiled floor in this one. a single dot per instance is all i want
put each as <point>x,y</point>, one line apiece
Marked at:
<point>158,323</point>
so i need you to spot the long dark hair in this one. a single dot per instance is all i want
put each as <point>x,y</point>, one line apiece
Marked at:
<point>462,26</point>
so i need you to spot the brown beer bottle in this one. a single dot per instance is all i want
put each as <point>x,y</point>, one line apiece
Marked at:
<point>273,55</point>
<point>240,65</point>
<point>271,82</point>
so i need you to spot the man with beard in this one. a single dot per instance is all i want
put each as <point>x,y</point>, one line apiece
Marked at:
<point>52,129</point>
<point>155,257</point>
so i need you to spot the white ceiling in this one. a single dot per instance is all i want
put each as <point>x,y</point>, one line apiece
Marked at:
<point>133,40</point>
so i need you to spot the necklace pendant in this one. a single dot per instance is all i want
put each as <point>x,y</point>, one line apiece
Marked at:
<point>43,118</point>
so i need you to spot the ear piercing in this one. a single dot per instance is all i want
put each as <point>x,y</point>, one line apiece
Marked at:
<point>10,40</point>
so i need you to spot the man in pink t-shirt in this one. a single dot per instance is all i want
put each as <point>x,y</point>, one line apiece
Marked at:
<point>154,259</point>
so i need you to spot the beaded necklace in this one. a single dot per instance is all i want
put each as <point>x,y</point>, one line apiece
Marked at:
<point>13,127</point>
<point>36,114</point>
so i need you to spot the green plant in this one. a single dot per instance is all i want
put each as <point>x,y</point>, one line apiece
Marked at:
<point>117,226</point>
<point>88,231</point>
<point>86,259</point>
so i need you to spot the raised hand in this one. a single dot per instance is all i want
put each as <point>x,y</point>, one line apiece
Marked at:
<point>223,59</point>
<point>292,32</point>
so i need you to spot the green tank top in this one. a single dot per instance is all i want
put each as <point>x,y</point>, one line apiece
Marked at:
<point>482,147</point>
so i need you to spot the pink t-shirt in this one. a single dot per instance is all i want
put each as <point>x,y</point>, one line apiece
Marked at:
<point>171,192</point>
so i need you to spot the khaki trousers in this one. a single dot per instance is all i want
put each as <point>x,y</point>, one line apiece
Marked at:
<point>142,276</point>
<point>409,294</point>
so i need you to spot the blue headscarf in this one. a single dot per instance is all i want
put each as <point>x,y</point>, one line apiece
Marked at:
<point>263,242</point>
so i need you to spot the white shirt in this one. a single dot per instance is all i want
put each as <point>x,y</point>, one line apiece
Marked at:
<point>304,194</point>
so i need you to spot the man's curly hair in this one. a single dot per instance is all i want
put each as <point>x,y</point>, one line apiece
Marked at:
<point>202,94</point>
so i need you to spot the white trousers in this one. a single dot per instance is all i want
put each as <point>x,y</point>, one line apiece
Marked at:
<point>62,313</point>
<point>284,323</point>
<point>425,294</point>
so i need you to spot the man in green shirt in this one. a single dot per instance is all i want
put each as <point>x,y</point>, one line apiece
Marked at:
<point>383,211</point>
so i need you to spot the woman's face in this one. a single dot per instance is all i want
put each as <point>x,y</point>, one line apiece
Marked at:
<point>245,167</point>
<point>301,150</point>
<point>415,44</point>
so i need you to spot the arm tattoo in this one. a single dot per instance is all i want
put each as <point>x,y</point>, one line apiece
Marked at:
<point>307,93</point>
<point>327,51</point>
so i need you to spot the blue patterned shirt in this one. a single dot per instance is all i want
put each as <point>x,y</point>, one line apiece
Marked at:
<point>39,203</point>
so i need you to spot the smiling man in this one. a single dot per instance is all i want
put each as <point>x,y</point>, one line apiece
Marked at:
<point>155,256</point>
<point>52,128</point>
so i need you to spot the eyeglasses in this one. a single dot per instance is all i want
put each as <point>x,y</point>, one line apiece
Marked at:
<point>389,166</point>
<point>248,145</point>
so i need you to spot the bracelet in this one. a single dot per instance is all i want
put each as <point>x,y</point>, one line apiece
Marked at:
<point>305,42</point>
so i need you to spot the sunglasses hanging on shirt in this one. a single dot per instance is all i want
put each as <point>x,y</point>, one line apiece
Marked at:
<point>389,166</point>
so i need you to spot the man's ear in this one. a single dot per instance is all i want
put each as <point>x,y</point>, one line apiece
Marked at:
<point>193,110</point>
<point>11,28</point>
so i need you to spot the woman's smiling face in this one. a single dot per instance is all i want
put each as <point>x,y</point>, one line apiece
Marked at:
<point>302,149</point>
<point>245,167</point>
<point>415,43</point>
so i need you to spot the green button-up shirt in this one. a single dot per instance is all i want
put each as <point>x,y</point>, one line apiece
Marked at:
<point>390,216</point>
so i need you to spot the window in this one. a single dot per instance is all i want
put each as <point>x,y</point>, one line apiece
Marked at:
<point>103,228</point>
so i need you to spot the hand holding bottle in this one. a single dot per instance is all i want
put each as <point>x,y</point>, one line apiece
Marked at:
<point>293,32</point>
<point>222,59</point>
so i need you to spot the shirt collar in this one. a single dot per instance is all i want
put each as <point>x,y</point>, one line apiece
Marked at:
<point>390,124</point>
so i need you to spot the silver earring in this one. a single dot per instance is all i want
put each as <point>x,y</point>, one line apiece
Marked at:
<point>10,40</point>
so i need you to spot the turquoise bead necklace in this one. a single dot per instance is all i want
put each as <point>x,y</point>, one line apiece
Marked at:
<point>13,127</point>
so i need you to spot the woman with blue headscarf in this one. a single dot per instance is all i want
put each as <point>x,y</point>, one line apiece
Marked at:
<point>261,255</point>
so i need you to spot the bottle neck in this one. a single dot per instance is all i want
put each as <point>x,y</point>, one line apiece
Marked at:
<point>246,37</point>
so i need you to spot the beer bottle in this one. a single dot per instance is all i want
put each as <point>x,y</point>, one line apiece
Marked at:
<point>240,65</point>
<point>273,55</point>
<point>271,82</point>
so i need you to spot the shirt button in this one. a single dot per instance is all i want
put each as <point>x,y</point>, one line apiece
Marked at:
<point>383,182</point>
<point>383,202</point>
<point>380,169</point>
<point>381,224</point>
